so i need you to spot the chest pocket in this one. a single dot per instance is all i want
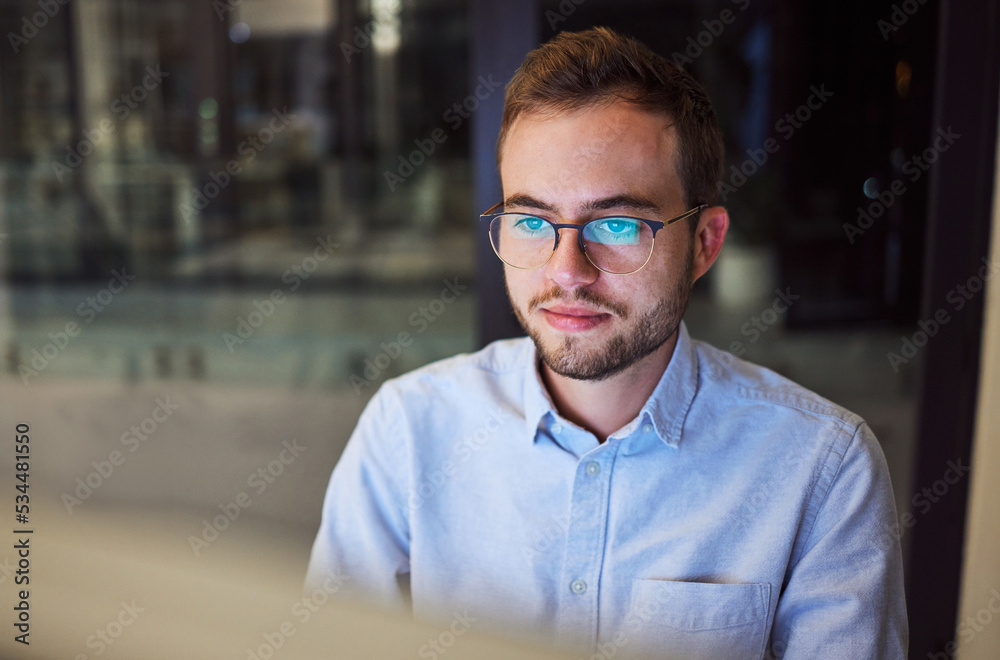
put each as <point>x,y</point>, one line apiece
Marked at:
<point>697,620</point>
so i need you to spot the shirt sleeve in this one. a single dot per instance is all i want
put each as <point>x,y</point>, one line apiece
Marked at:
<point>364,534</point>
<point>843,596</point>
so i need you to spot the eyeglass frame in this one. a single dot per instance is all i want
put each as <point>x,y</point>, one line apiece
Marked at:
<point>654,225</point>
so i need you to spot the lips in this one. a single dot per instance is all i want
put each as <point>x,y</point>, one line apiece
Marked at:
<point>570,318</point>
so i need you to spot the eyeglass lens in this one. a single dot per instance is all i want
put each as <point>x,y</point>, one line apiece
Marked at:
<point>615,245</point>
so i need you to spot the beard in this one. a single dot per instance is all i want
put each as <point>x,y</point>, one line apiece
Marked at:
<point>641,335</point>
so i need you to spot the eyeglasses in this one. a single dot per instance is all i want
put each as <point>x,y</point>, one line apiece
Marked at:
<point>618,245</point>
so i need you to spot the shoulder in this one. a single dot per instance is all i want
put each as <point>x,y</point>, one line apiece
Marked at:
<point>439,397</point>
<point>423,413</point>
<point>783,429</point>
<point>723,375</point>
<point>778,417</point>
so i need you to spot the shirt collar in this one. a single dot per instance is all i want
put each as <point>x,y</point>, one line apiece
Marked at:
<point>666,409</point>
<point>537,402</point>
<point>668,405</point>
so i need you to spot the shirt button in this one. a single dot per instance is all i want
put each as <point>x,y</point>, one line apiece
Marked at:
<point>557,428</point>
<point>593,468</point>
<point>578,586</point>
<point>648,428</point>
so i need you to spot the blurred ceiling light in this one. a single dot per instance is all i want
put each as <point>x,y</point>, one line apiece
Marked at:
<point>239,33</point>
<point>208,108</point>
<point>386,37</point>
<point>871,187</point>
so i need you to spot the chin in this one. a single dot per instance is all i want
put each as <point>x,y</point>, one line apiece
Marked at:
<point>593,356</point>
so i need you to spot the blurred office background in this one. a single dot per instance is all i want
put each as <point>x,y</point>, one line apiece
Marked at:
<point>249,210</point>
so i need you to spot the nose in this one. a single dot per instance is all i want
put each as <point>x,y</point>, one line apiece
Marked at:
<point>569,266</point>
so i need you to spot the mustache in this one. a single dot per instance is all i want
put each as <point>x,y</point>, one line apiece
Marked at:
<point>580,295</point>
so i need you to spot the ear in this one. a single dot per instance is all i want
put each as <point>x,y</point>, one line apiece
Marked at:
<point>711,233</point>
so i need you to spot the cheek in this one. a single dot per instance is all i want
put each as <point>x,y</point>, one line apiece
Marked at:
<point>658,280</point>
<point>669,259</point>
<point>525,285</point>
<point>517,283</point>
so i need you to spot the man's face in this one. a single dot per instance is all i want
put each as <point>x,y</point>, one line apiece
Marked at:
<point>578,166</point>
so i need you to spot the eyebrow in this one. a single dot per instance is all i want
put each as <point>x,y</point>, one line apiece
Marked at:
<point>623,201</point>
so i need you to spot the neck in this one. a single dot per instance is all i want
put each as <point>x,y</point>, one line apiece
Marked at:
<point>602,407</point>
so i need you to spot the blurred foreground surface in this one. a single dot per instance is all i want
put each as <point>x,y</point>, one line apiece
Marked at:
<point>119,556</point>
<point>130,578</point>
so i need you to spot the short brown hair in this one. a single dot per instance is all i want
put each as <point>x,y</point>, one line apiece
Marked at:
<point>576,70</point>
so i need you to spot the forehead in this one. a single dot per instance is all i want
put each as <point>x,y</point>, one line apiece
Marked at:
<point>607,150</point>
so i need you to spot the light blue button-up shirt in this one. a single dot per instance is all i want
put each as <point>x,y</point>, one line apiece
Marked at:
<point>739,515</point>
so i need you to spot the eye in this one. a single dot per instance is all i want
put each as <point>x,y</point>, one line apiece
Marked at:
<point>617,226</point>
<point>613,230</point>
<point>528,226</point>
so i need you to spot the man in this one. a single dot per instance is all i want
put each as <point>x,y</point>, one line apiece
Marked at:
<point>610,483</point>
